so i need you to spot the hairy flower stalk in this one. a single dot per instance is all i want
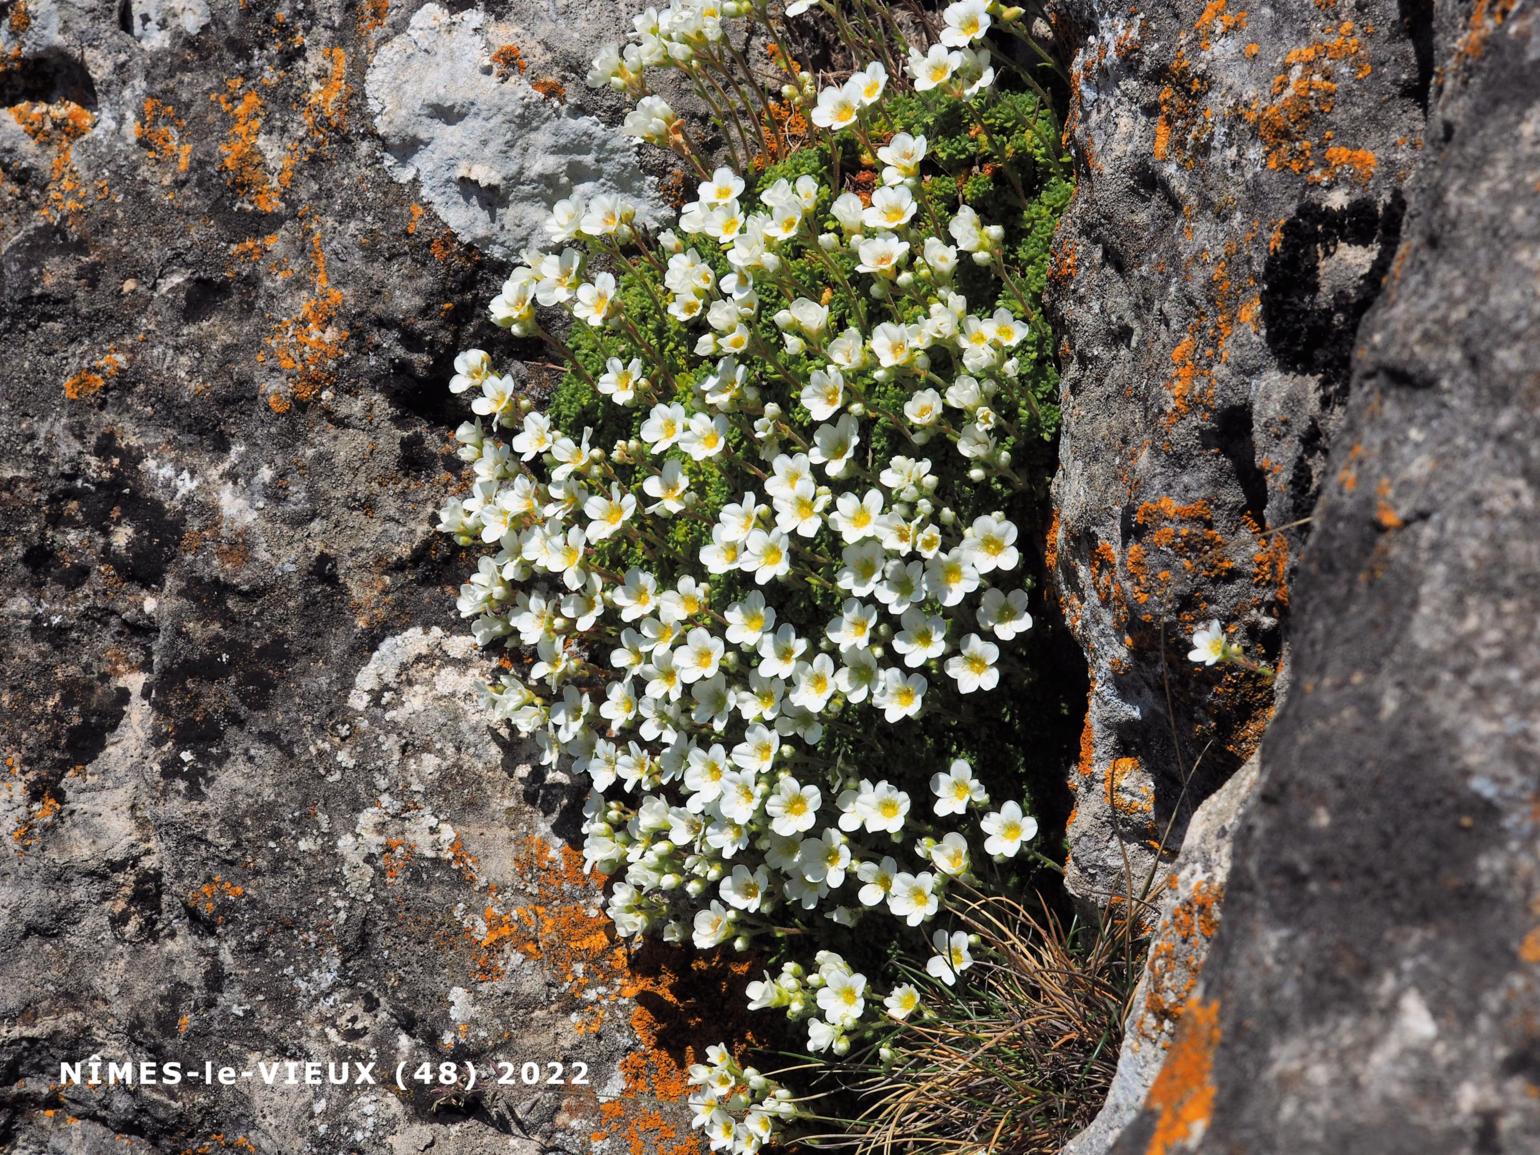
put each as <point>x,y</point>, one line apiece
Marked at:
<point>753,565</point>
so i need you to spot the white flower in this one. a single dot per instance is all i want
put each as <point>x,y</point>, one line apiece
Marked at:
<point>922,638</point>
<point>1005,615</point>
<point>793,808</point>
<point>862,568</point>
<point>868,84</point>
<point>472,367</point>
<point>651,120</point>
<point>594,300</point>
<point>637,596</point>
<point>887,809</point>
<point>705,436</point>
<point>756,753</point>
<point>880,255</point>
<point>854,625</point>
<point>956,789</point>
<point>1007,828</point>
<point>950,855</point>
<point>923,408</point>
<point>824,859</point>
<point>991,544</point>
<point>815,684</point>
<point>891,208</point>
<point>779,652</point>
<point>951,957</point>
<point>877,880</point>
<point>1209,645</point>
<point>745,889</point>
<point>663,427</point>
<point>740,797</point>
<point>712,926</point>
<point>900,695</point>
<point>859,676</point>
<point>902,156</point>
<point>700,655</point>
<point>841,998</point>
<point>974,666</point>
<point>934,68</point>
<point>667,488</point>
<point>833,445</point>
<point>966,21</point>
<point>856,517</point>
<point>748,620</point>
<point>902,1002</point>
<point>800,512</point>
<point>950,577</point>
<point>767,555</point>
<point>836,109</point>
<point>913,897</point>
<point>824,393</point>
<point>724,187</point>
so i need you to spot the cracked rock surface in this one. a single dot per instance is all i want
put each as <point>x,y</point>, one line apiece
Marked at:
<point>250,807</point>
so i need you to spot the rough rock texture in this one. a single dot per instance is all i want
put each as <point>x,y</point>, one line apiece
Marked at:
<point>1238,205</point>
<point>1252,181</point>
<point>1186,901</point>
<point>1375,982</point>
<point>250,808</point>
<point>491,152</point>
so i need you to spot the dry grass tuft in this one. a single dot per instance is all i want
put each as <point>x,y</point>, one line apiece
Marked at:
<point>1018,1056</point>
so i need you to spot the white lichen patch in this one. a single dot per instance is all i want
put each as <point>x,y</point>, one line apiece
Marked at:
<point>489,153</point>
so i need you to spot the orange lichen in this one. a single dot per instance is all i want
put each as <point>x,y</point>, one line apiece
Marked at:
<point>1271,566</point>
<point>212,896</point>
<point>372,15</point>
<point>83,384</point>
<point>57,126</point>
<point>1529,949</point>
<point>1305,90</point>
<point>1485,18</point>
<point>1127,798</point>
<point>43,814</point>
<point>1359,161</point>
<point>1182,1096</point>
<point>244,162</point>
<point>326,107</point>
<point>1216,22</point>
<point>1384,512</point>
<point>1181,124</point>
<point>559,925</point>
<point>550,88</point>
<point>308,345</point>
<point>20,18</point>
<point>160,131</point>
<point>93,380</point>
<point>507,60</point>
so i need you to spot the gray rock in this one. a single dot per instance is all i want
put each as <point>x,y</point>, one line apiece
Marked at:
<point>250,806</point>
<point>1185,904</point>
<point>490,153</point>
<point>1237,208</point>
<point>1374,983</point>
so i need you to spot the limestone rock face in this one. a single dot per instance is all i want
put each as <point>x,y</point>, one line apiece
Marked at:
<point>1317,225</point>
<point>251,808</point>
<point>1238,206</point>
<point>1374,982</point>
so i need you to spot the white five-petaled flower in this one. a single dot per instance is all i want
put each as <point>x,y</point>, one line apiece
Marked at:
<point>1007,828</point>
<point>1209,645</point>
<point>952,956</point>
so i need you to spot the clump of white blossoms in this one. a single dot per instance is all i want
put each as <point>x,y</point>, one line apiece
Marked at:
<point>763,558</point>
